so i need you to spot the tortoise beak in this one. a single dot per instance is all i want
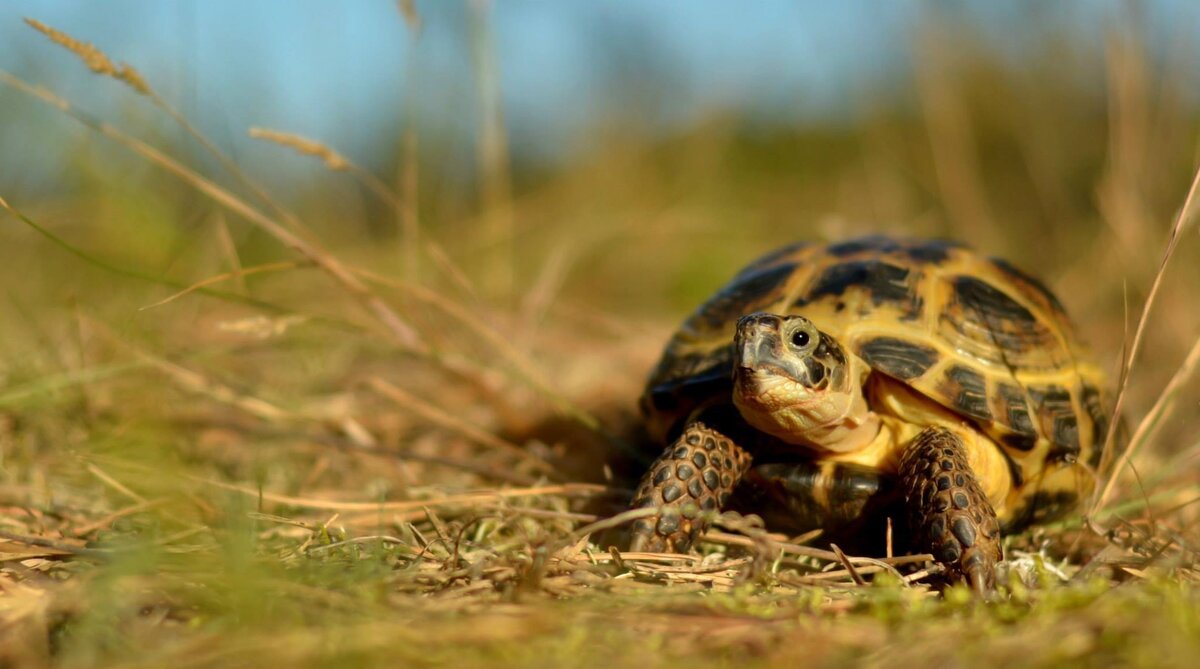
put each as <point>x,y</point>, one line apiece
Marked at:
<point>761,352</point>
<point>758,342</point>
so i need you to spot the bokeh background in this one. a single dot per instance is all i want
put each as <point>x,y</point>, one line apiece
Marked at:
<point>618,158</point>
<point>549,165</point>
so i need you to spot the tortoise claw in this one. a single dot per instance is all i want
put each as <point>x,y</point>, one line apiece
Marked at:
<point>979,582</point>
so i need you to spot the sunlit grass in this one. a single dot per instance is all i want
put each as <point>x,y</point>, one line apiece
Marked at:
<point>272,445</point>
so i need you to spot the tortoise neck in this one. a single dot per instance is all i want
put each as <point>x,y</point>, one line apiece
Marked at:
<point>852,431</point>
<point>838,420</point>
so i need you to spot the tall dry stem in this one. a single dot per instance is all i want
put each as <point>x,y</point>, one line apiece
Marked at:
<point>952,142</point>
<point>1114,472</point>
<point>402,333</point>
<point>100,63</point>
<point>497,232</point>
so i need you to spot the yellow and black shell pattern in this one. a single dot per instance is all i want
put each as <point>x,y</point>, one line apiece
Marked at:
<point>974,334</point>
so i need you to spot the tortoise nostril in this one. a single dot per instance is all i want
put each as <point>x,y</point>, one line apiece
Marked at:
<point>759,322</point>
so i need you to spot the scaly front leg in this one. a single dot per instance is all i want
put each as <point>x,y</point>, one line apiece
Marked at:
<point>696,473</point>
<point>949,515</point>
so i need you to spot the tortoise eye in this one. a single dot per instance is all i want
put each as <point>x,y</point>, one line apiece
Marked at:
<point>800,339</point>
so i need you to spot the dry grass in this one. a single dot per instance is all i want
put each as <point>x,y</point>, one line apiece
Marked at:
<point>371,470</point>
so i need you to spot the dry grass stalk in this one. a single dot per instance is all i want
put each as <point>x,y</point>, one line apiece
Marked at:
<point>410,224</point>
<point>846,563</point>
<point>115,484</point>
<point>229,249</point>
<point>196,382</point>
<point>404,334</point>
<point>88,528</point>
<point>727,539</point>
<point>1181,219</point>
<point>157,278</point>
<point>1120,191</point>
<point>333,160</point>
<point>237,274</point>
<point>490,496</point>
<point>451,269</point>
<point>408,9</point>
<point>493,156</point>
<point>407,186</point>
<point>524,366</point>
<point>614,521</point>
<point>497,508</point>
<point>100,63</point>
<point>59,547</point>
<point>447,420</point>
<point>309,147</point>
<point>1165,401</point>
<point>96,60</point>
<point>855,575</point>
<point>405,205</point>
<point>397,327</point>
<point>375,538</point>
<point>952,141</point>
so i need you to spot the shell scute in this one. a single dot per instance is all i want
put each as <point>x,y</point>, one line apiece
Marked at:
<point>1033,288</point>
<point>1057,411</point>
<point>1010,401</point>
<point>988,324</point>
<point>898,358</point>
<point>742,296</point>
<point>876,281</point>
<point>967,391</point>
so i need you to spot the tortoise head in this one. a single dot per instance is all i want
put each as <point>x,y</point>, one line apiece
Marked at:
<point>799,384</point>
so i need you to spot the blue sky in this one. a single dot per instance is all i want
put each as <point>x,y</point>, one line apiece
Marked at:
<point>332,69</point>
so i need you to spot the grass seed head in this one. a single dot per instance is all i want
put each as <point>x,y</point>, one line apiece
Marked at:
<point>96,60</point>
<point>309,147</point>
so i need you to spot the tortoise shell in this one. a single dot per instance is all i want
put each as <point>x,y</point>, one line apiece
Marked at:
<point>972,333</point>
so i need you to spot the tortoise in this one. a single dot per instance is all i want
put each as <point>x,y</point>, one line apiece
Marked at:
<point>876,376</point>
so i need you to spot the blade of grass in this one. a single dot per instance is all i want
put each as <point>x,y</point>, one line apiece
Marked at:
<point>403,334</point>
<point>408,212</point>
<point>569,489</point>
<point>333,160</point>
<point>452,422</point>
<point>229,248</point>
<point>405,205</point>
<point>152,278</point>
<point>1166,400</point>
<point>99,63</point>
<point>525,368</point>
<point>493,155</point>
<point>15,395</point>
<point>238,274</point>
<point>1181,219</point>
<point>406,209</point>
<point>196,382</point>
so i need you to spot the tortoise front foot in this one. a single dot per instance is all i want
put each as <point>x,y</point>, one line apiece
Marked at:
<point>696,473</point>
<point>949,515</point>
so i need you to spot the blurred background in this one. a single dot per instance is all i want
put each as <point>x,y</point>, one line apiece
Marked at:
<point>252,384</point>
<point>574,176</point>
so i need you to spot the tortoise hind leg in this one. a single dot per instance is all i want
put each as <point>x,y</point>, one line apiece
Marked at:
<point>696,473</point>
<point>949,515</point>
